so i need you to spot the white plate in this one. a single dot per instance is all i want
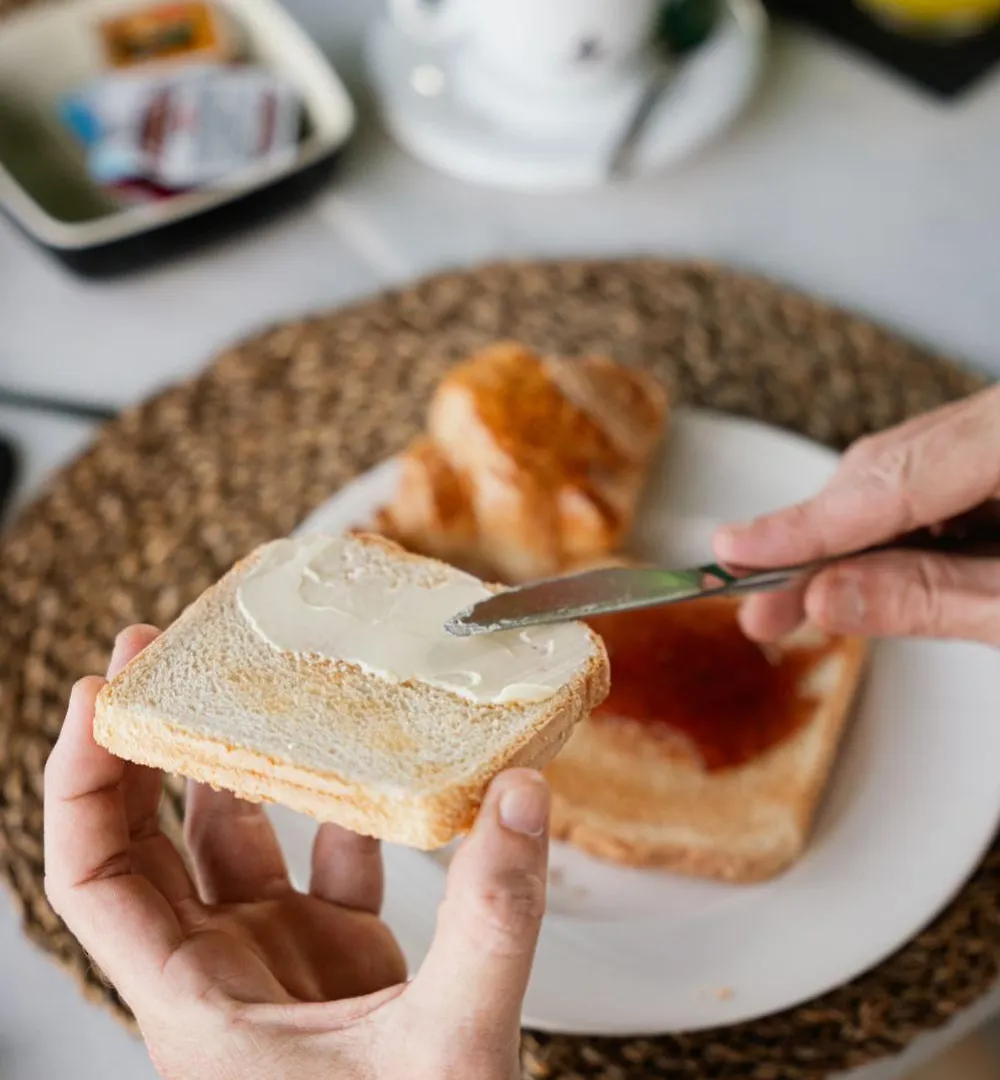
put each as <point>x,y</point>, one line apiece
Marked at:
<point>914,801</point>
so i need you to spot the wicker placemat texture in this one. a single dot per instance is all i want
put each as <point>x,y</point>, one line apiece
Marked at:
<point>175,490</point>
<point>8,7</point>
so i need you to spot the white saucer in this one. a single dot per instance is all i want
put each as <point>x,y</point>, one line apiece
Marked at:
<point>913,803</point>
<point>538,143</point>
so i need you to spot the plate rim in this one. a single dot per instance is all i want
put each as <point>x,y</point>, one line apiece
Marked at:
<point>537,1019</point>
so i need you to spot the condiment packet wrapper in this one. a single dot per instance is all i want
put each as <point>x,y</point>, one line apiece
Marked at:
<point>199,126</point>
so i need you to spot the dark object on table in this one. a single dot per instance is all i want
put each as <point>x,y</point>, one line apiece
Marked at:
<point>80,410</point>
<point>8,474</point>
<point>947,68</point>
<point>686,24</point>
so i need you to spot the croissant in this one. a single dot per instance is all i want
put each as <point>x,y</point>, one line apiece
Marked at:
<point>529,466</point>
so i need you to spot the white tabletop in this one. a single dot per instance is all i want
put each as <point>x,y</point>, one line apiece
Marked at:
<point>839,180</point>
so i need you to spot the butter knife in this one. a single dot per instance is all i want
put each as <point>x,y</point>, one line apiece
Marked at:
<point>614,589</point>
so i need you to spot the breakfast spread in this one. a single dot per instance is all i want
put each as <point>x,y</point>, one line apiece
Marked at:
<point>710,754</point>
<point>318,672</point>
<point>715,674</point>
<point>326,596</point>
<point>309,676</point>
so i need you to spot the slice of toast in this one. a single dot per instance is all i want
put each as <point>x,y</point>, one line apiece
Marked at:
<point>243,692</point>
<point>709,780</point>
<point>529,464</point>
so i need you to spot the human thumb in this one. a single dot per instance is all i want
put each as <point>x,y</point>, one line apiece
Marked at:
<point>475,976</point>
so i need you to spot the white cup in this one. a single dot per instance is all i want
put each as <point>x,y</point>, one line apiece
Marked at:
<point>537,44</point>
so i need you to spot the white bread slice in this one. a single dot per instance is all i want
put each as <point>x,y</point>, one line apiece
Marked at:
<point>213,700</point>
<point>629,793</point>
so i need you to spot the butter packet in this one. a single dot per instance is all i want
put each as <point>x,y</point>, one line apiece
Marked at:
<point>190,128</point>
<point>174,32</point>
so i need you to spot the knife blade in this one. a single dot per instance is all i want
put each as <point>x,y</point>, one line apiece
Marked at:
<point>614,589</point>
<point>605,591</point>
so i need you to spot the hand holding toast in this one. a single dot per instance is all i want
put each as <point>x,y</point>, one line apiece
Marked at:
<point>230,971</point>
<point>925,472</point>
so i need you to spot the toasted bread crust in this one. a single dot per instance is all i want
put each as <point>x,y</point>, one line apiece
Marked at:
<point>427,814</point>
<point>700,830</point>
<point>426,821</point>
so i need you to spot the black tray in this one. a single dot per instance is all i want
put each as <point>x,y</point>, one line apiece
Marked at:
<point>944,68</point>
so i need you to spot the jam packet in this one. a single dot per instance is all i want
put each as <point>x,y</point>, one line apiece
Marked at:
<point>194,127</point>
<point>181,32</point>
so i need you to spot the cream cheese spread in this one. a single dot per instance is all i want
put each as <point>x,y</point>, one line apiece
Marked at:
<point>331,597</point>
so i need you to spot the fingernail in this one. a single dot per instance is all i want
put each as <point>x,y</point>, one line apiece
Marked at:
<point>525,808</point>
<point>126,643</point>
<point>845,602</point>
<point>727,537</point>
<point>118,651</point>
<point>79,687</point>
<point>726,534</point>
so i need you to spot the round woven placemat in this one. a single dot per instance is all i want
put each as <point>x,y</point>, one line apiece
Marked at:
<point>8,7</point>
<point>172,492</point>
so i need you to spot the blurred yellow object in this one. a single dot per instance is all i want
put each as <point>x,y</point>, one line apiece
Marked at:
<point>182,30</point>
<point>949,18</point>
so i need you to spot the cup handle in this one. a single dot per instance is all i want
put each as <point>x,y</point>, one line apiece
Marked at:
<point>428,23</point>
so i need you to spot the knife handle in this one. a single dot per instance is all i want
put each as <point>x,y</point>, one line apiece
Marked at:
<point>975,534</point>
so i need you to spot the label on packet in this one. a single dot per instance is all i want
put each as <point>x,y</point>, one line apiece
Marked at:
<point>179,31</point>
<point>198,126</point>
